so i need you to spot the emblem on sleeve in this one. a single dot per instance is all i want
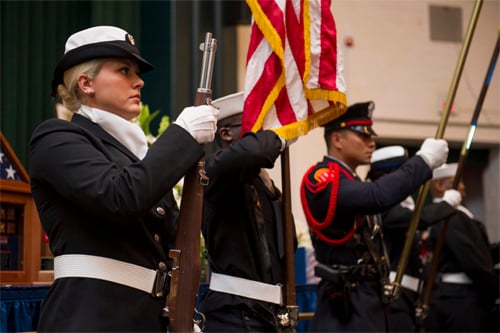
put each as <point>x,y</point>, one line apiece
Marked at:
<point>323,175</point>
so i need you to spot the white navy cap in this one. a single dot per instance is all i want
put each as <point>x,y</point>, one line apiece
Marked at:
<point>229,105</point>
<point>445,171</point>
<point>97,42</point>
<point>388,152</point>
<point>385,160</point>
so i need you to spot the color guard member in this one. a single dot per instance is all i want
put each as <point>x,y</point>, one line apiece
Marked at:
<point>468,286</point>
<point>104,199</point>
<point>243,228</point>
<point>347,241</point>
<point>395,224</point>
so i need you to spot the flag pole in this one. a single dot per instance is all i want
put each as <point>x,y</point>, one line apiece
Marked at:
<point>289,230</point>
<point>403,261</point>
<point>422,311</point>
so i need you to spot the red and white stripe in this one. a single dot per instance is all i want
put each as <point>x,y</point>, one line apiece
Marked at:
<point>294,76</point>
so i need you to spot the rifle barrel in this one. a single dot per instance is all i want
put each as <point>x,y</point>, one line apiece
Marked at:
<point>209,47</point>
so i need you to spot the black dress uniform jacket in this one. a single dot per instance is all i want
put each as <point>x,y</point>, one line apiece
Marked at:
<point>243,234</point>
<point>395,224</point>
<point>95,197</point>
<point>351,198</point>
<point>466,249</point>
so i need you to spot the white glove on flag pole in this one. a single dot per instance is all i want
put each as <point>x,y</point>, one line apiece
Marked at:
<point>294,77</point>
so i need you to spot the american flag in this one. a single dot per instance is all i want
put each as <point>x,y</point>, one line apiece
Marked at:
<point>7,169</point>
<point>294,76</point>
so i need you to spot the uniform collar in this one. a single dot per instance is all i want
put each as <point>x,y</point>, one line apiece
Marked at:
<point>126,132</point>
<point>345,166</point>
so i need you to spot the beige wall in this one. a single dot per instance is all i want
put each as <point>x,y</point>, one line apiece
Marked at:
<point>394,62</point>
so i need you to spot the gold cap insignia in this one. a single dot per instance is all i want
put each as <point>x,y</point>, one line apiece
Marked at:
<point>131,39</point>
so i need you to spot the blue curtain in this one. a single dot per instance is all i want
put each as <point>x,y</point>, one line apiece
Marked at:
<point>20,308</point>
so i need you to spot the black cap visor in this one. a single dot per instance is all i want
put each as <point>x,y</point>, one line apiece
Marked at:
<point>363,129</point>
<point>112,49</point>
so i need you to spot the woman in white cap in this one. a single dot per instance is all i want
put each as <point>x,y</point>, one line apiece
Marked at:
<point>104,199</point>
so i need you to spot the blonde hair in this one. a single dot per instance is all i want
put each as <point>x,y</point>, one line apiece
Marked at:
<point>69,91</point>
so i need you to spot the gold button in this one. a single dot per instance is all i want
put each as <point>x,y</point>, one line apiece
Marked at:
<point>157,237</point>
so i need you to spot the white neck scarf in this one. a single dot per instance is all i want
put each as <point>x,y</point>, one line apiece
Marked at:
<point>126,132</point>
<point>461,208</point>
<point>466,211</point>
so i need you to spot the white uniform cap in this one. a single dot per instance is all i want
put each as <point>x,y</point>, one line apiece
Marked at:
<point>445,171</point>
<point>94,43</point>
<point>388,152</point>
<point>94,35</point>
<point>229,105</point>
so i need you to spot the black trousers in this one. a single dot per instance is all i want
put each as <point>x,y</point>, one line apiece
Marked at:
<point>461,314</point>
<point>403,312</point>
<point>235,319</point>
<point>369,313</point>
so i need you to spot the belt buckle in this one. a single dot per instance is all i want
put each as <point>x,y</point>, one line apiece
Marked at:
<point>159,285</point>
<point>288,316</point>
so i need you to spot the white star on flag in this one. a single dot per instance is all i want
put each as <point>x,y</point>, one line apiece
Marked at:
<point>7,169</point>
<point>11,172</point>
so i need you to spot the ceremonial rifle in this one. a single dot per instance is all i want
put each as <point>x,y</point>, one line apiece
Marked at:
<point>186,263</point>
<point>423,308</point>
<point>394,289</point>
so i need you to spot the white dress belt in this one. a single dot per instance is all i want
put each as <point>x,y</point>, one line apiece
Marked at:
<point>408,281</point>
<point>95,267</point>
<point>459,278</point>
<point>247,288</point>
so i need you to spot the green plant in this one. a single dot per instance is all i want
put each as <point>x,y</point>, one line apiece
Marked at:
<point>144,120</point>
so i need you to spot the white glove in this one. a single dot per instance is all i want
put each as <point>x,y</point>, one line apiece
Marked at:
<point>199,121</point>
<point>408,203</point>
<point>434,152</point>
<point>452,197</point>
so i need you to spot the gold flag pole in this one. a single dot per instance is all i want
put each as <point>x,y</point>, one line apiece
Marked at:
<point>403,261</point>
<point>290,317</point>
<point>423,308</point>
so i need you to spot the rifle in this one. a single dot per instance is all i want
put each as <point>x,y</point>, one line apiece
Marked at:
<point>186,263</point>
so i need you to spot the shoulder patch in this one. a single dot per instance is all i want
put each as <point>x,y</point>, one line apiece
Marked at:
<point>323,175</point>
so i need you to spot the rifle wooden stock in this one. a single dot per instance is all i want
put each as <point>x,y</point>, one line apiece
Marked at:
<point>186,270</point>
<point>186,257</point>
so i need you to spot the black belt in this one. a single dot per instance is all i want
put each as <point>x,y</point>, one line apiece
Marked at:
<point>353,273</point>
